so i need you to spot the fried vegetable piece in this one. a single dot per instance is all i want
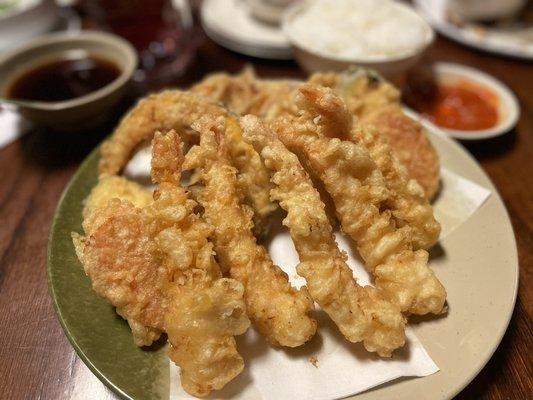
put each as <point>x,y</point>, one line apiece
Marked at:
<point>279,312</point>
<point>118,255</point>
<point>111,187</point>
<point>360,194</point>
<point>245,93</point>
<point>174,109</point>
<point>407,201</point>
<point>361,314</point>
<point>376,102</point>
<point>156,265</point>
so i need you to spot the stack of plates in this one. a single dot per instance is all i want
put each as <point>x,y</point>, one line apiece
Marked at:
<point>230,23</point>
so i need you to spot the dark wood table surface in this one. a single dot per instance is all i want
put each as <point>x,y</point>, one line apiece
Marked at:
<point>36,359</point>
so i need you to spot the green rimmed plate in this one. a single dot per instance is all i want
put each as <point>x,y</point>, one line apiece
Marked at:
<point>478,266</point>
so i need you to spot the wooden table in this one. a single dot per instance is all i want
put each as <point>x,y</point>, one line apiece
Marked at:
<point>36,360</point>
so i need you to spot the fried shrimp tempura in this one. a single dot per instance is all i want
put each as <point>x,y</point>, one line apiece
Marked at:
<point>156,265</point>
<point>376,102</point>
<point>361,314</point>
<point>244,93</point>
<point>204,310</point>
<point>368,96</point>
<point>174,109</point>
<point>407,201</point>
<point>361,195</point>
<point>279,311</point>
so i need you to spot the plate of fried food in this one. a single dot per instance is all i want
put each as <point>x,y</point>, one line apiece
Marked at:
<point>396,255</point>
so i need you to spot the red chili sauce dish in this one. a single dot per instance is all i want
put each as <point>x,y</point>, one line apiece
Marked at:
<point>460,105</point>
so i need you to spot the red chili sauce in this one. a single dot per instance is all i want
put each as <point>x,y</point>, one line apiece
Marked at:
<point>464,106</point>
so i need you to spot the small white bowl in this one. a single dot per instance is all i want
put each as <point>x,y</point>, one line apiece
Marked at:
<point>508,106</point>
<point>391,67</point>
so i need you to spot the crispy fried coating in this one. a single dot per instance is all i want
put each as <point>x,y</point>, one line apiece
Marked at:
<point>361,314</point>
<point>368,96</point>
<point>174,109</point>
<point>156,265</point>
<point>361,195</point>
<point>407,201</point>
<point>252,178</point>
<point>244,93</point>
<point>111,187</point>
<point>204,310</point>
<point>279,311</point>
<point>119,256</point>
<point>376,102</point>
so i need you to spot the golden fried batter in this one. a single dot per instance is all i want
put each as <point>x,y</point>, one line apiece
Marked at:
<point>361,195</point>
<point>368,96</point>
<point>361,314</point>
<point>204,310</point>
<point>118,255</point>
<point>156,265</point>
<point>279,311</point>
<point>111,187</point>
<point>407,201</point>
<point>246,94</point>
<point>173,109</point>
<point>377,103</point>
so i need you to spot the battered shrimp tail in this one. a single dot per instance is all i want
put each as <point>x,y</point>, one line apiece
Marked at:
<point>279,311</point>
<point>361,314</point>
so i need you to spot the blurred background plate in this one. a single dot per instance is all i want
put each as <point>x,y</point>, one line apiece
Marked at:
<point>477,263</point>
<point>230,23</point>
<point>27,19</point>
<point>516,41</point>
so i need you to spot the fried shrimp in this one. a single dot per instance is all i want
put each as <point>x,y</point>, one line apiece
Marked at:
<point>407,201</point>
<point>361,196</point>
<point>204,310</point>
<point>173,109</point>
<point>156,265</point>
<point>376,102</point>
<point>361,314</point>
<point>373,100</point>
<point>279,311</point>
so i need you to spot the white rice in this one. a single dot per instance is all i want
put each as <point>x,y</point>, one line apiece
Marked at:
<point>358,29</point>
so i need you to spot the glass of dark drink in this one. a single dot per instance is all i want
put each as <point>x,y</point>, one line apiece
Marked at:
<point>162,31</point>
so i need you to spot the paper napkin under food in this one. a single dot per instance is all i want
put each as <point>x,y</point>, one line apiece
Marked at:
<point>328,367</point>
<point>12,126</point>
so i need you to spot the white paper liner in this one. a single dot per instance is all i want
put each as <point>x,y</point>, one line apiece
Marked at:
<point>12,126</point>
<point>341,368</point>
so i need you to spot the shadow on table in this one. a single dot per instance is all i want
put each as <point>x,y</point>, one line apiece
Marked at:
<point>492,148</point>
<point>52,150</point>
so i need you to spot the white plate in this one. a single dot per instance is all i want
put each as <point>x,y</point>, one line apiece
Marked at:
<point>230,23</point>
<point>508,107</point>
<point>491,40</point>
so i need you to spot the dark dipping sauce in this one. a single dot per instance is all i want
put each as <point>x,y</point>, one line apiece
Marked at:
<point>63,79</point>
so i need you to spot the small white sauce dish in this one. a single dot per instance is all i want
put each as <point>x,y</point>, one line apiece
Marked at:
<point>313,58</point>
<point>508,106</point>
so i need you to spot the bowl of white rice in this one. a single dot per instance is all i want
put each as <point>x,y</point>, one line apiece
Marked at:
<point>331,35</point>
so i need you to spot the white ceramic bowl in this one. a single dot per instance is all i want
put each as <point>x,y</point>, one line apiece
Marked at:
<point>81,112</point>
<point>391,67</point>
<point>508,106</point>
